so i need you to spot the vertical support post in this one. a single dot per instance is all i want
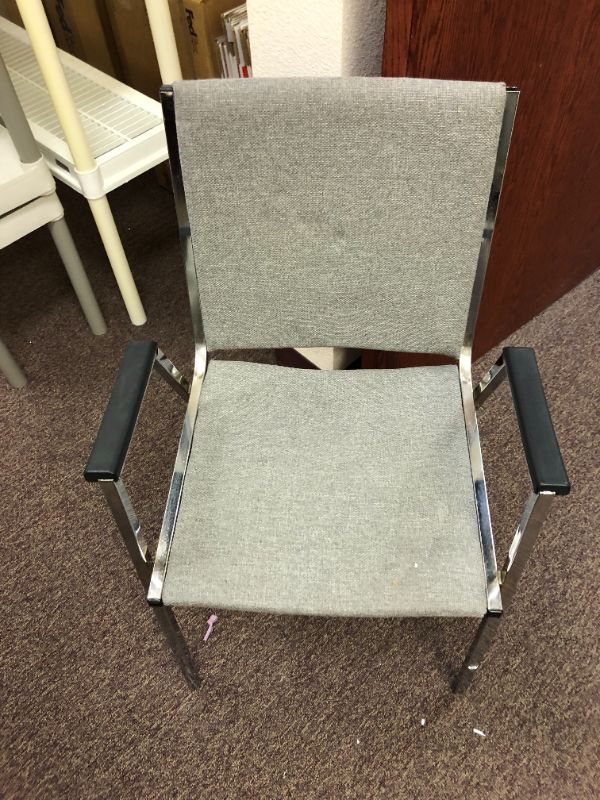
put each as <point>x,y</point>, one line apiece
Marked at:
<point>9,367</point>
<point>105,222</point>
<point>129,527</point>
<point>15,120</point>
<point>534,514</point>
<point>42,42</point>
<point>63,240</point>
<point>485,633</point>
<point>163,37</point>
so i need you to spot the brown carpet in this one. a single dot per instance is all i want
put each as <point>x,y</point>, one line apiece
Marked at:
<point>92,705</point>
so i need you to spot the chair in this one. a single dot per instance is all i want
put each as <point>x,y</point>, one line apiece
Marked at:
<point>332,493</point>
<point>28,200</point>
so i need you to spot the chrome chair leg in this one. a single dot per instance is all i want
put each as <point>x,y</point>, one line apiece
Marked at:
<point>534,514</point>
<point>176,641</point>
<point>483,637</point>
<point>129,527</point>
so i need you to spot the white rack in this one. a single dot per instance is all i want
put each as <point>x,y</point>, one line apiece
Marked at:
<point>124,127</point>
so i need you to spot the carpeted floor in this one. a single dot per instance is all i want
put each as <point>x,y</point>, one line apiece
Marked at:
<point>92,705</point>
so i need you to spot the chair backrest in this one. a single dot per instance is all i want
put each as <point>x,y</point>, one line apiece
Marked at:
<point>336,211</point>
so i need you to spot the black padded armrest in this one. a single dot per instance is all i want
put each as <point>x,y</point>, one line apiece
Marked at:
<point>118,423</point>
<point>541,448</point>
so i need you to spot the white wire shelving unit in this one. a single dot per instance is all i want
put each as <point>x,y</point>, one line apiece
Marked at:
<point>124,127</point>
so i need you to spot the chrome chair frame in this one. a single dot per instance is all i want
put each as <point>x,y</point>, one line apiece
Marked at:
<point>500,584</point>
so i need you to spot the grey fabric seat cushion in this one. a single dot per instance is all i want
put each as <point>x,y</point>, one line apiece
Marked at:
<point>334,493</point>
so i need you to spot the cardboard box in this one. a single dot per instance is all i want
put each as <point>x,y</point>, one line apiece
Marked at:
<point>131,30</point>
<point>133,37</point>
<point>184,47</point>
<point>9,10</point>
<point>81,27</point>
<point>204,25</point>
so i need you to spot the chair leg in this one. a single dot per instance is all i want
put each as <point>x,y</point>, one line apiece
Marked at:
<point>129,527</point>
<point>9,367</point>
<point>176,641</point>
<point>534,514</point>
<point>483,637</point>
<point>77,275</point>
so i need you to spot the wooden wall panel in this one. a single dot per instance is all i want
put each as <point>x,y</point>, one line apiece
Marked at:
<point>396,42</point>
<point>548,231</point>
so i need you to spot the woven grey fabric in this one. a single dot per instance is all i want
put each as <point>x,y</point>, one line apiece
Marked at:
<point>337,211</point>
<point>334,493</point>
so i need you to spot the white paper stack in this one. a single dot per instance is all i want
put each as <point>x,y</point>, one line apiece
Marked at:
<point>234,45</point>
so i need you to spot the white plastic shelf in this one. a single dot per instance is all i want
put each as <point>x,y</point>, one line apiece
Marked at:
<point>20,183</point>
<point>124,127</point>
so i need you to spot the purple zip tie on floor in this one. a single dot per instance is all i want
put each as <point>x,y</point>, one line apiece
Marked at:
<point>210,622</point>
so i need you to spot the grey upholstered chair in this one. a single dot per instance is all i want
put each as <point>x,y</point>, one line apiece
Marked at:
<point>322,212</point>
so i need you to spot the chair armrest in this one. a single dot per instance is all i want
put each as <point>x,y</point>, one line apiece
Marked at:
<point>542,452</point>
<point>119,420</point>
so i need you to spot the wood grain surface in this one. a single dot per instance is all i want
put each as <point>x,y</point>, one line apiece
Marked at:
<point>547,236</point>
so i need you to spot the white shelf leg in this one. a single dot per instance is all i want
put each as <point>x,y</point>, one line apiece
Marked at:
<point>42,42</point>
<point>111,240</point>
<point>79,280</point>
<point>13,372</point>
<point>163,36</point>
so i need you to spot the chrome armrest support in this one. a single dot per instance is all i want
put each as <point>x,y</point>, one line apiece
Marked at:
<point>169,372</point>
<point>114,437</point>
<point>490,382</point>
<point>129,527</point>
<point>533,517</point>
<point>123,409</point>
